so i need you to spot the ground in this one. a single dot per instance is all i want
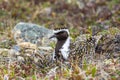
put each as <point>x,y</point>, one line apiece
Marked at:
<point>93,17</point>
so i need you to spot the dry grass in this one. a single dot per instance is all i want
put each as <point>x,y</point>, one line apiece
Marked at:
<point>54,14</point>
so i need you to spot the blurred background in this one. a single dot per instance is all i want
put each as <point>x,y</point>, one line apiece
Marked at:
<point>77,15</point>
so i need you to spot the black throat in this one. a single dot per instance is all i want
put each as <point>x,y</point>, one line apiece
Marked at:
<point>59,45</point>
<point>61,39</point>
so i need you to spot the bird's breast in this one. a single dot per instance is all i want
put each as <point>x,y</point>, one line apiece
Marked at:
<point>65,49</point>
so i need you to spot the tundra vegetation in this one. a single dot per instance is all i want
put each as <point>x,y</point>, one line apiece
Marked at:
<point>81,17</point>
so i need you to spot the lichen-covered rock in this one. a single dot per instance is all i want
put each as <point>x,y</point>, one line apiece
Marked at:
<point>31,39</point>
<point>28,32</point>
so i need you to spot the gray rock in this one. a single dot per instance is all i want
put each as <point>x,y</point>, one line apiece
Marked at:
<point>33,38</point>
<point>28,32</point>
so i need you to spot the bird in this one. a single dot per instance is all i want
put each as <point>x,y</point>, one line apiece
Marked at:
<point>67,49</point>
<point>62,48</point>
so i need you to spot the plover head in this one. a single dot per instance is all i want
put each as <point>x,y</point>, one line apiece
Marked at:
<point>63,43</point>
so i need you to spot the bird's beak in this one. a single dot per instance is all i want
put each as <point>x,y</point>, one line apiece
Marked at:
<point>53,36</point>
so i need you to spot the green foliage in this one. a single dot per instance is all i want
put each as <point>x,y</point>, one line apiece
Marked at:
<point>74,33</point>
<point>113,31</point>
<point>56,78</point>
<point>47,4</point>
<point>118,72</point>
<point>113,2</point>
<point>52,44</point>
<point>85,66</point>
<point>90,69</point>
<point>94,70</point>
<point>90,30</point>
<point>3,13</point>
<point>33,77</point>
<point>110,31</point>
<point>113,77</point>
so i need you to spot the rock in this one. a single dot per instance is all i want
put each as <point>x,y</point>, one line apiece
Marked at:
<point>31,39</point>
<point>16,48</point>
<point>28,32</point>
